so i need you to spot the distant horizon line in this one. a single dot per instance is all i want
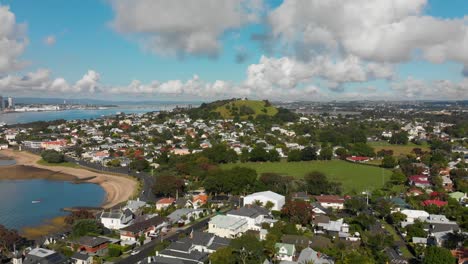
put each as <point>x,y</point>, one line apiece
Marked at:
<point>218,99</point>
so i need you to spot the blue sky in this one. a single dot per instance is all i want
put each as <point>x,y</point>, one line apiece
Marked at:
<point>86,38</point>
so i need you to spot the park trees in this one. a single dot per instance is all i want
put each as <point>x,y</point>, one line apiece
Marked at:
<point>400,138</point>
<point>237,180</point>
<point>317,183</point>
<point>220,153</point>
<point>308,153</point>
<point>438,255</point>
<point>326,153</point>
<point>389,162</point>
<point>247,249</point>
<point>298,212</point>
<point>258,153</point>
<point>167,185</point>
<point>139,164</point>
<point>52,156</point>
<point>294,155</point>
<point>223,255</point>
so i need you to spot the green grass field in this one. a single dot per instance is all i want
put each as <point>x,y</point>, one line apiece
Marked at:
<point>397,149</point>
<point>257,106</point>
<point>352,176</point>
<point>63,164</point>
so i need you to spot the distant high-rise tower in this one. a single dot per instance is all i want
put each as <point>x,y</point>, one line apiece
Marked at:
<point>11,104</point>
<point>2,103</point>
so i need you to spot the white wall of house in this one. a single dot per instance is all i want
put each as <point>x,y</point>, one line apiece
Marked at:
<point>264,197</point>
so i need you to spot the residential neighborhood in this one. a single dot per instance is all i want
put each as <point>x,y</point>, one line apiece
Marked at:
<point>289,188</point>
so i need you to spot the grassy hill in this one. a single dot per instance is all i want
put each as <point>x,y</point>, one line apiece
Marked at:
<point>245,108</point>
<point>352,176</point>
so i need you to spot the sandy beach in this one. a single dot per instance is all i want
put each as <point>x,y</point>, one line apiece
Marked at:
<point>118,188</point>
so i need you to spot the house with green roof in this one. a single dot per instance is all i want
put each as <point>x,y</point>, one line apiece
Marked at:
<point>459,196</point>
<point>285,251</point>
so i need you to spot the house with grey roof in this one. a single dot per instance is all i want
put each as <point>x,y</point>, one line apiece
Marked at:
<point>116,219</point>
<point>44,256</point>
<point>254,215</point>
<point>183,215</point>
<point>308,255</point>
<point>227,226</point>
<point>81,258</point>
<point>193,249</point>
<point>149,227</point>
<point>135,206</point>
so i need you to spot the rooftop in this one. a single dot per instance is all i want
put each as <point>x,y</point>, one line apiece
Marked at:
<point>228,222</point>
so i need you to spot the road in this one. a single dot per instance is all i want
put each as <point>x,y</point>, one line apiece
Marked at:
<point>147,249</point>
<point>146,179</point>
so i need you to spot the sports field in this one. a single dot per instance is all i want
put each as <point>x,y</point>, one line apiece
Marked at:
<point>352,176</point>
<point>397,149</point>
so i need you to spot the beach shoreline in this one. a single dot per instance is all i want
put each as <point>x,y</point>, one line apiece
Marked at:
<point>118,188</point>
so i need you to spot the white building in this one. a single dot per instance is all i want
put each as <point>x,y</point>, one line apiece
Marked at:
<point>413,215</point>
<point>254,215</point>
<point>285,252</point>
<point>227,226</point>
<point>116,219</point>
<point>265,197</point>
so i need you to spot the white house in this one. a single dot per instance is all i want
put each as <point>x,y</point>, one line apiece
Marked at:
<point>116,219</point>
<point>330,201</point>
<point>227,226</point>
<point>265,197</point>
<point>80,258</point>
<point>285,252</point>
<point>413,215</point>
<point>254,215</point>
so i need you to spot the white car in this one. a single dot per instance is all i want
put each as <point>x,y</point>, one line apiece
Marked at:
<point>134,252</point>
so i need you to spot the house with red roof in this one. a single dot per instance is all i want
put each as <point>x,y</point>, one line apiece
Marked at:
<point>421,181</point>
<point>330,201</point>
<point>199,200</point>
<point>414,192</point>
<point>437,203</point>
<point>164,203</point>
<point>57,145</point>
<point>357,159</point>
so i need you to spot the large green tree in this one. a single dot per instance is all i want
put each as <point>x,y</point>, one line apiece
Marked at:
<point>52,156</point>
<point>317,183</point>
<point>86,227</point>
<point>223,255</point>
<point>168,185</point>
<point>438,255</point>
<point>247,249</point>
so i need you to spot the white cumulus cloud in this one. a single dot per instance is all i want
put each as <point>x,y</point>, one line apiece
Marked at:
<point>13,41</point>
<point>180,27</point>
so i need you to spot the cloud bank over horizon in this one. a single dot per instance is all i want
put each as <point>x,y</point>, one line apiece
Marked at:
<point>311,50</point>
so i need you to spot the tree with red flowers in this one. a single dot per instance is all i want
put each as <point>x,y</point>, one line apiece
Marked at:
<point>298,212</point>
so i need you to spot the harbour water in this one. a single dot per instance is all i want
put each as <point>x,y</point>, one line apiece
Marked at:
<point>17,209</point>
<point>26,117</point>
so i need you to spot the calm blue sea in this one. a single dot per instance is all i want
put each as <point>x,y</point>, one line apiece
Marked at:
<point>16,118</point>
<point>18,211</point>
